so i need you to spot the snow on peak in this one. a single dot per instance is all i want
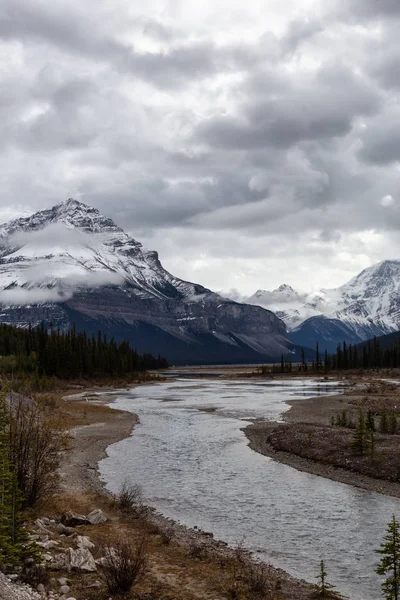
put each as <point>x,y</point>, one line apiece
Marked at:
<point>286,290</point>
<point>73,246</point>
<point>371,296</point>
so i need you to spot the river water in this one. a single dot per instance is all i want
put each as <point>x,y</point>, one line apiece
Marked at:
<point>192,460</point>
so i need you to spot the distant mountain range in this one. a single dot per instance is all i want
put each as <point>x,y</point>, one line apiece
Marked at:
<point>70,264</point>
<point>365,306</point>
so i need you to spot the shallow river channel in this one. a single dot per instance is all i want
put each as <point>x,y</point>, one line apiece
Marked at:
<point>192,460</point>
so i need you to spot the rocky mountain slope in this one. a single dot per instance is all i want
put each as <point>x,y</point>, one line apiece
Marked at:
<point>70,264</point>
<point>367,305</point>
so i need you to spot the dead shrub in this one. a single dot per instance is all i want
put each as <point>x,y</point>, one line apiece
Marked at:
<point>167,534</point>
<point>198,550</point>
<point>36,444</point>
<point>125,564</point>
<point>35,574</point>
<point>257,580</point>
<point>130,500</point>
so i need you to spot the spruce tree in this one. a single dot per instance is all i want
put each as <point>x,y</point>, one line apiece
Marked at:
<point>323,589</point>
<point>392,423</point>
<point>12,535</point>
<point>383,423</point>
<point>370,421</point>
<point>390,562</point>
<point>360,438</point>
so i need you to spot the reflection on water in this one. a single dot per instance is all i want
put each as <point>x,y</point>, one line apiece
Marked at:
<point>195,466</point>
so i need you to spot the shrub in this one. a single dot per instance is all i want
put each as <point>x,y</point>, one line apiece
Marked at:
<point>125,564</point>
<point>130,499</point>
<point>35,448</point>
<point>167,534</point>
<point>257,580</point>
<point>198,550</point>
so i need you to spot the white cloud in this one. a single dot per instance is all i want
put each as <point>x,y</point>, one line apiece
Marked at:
<point>387,200</point>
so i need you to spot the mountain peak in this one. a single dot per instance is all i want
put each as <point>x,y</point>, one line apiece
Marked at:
<point>285,289</point>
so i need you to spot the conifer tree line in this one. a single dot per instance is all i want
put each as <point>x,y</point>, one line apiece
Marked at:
<point>370,355</point>
<point>70,354</point>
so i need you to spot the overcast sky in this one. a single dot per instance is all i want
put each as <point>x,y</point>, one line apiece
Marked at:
<point>250,143</point>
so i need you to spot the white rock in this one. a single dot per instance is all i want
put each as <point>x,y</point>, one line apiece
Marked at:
<point>83,541</point>
<point>81,560</point>
<point>96,517</point>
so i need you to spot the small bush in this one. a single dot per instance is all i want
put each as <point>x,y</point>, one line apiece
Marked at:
<point>35,574</point>
<point>198,550</point>
<point>257,580</point>
<point>167,535</point>
<point>130,499</point>
<point>126,563</point>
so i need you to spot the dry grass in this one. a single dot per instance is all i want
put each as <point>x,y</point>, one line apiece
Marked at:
<point>333,446</point>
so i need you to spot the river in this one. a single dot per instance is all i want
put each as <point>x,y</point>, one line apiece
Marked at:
<point>192,460</point>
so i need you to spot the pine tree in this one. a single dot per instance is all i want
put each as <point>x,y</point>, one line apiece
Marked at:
<point>323,589</point>
<point>390,563</point>
<point>360,438</point>
<point>383,423</point>
<point>12,535</point>
<point>370,421</point>
<point>392,423</point>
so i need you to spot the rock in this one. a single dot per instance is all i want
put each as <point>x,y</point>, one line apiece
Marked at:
<point>47,557</point>
<point>48,544</point>
<point>64,589</point>
<point>63,530</point>
<point>40,523</point>
<point>73,519</point>
<point>81,560</point>
<point>96,517</point>
<point>94,584</point>
<point>60,562</point>
<point>63,581</point>
<point>83,541</point>
<point>41,589</point>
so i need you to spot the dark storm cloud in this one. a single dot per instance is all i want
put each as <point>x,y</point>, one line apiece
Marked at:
<point>374,9</point>
<point>381,140</point>
<point>246,132</point>
<point>322,108</point>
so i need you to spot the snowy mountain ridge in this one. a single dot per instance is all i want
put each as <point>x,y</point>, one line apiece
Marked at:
<point>367,305</point>
<point>70,264</point>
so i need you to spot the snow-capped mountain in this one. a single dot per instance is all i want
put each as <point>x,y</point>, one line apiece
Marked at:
<point>70,264</point>
<point>367,305</point>
<point>287,304</point>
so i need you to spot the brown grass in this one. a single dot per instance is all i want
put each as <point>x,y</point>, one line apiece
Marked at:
<point>333,446</point>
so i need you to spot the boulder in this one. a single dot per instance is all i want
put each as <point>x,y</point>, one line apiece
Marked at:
<point>81,560</point>
<point>96,517</point>
<point>83,541</point>
<point>62,530</point>
<point>73,519</point>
